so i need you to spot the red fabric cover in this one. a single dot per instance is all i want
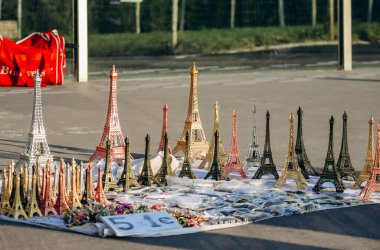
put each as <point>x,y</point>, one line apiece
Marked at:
<point>20,61</point>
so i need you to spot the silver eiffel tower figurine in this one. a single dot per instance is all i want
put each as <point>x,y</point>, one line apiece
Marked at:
<point>37,147</point>
<point>253,158</point>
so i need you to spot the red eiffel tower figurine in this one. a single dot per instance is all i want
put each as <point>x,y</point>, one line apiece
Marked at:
<point>233,163</point>
<point>47,205</point>
<point>161,147</point>
<point>100,197</point>
<point>373,184</point>
<point>112,129</point>
<point>61,204</point>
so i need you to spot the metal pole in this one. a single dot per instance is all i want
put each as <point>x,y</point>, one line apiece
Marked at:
<point>182,20</point>
<point>19,18</point>
<point>232,14</point>
<point>331,15</point>
<point>281,13</point>
<point>370,7</point>
<point>1,5</point>
<point>138,18</point>
<point>82,36</point>
<point>345,35</point>
<point>174,24</point>
<point>314,12</point>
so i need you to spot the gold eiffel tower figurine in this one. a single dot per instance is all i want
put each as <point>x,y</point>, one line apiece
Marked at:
<point>165,168</point>
<point>109,183</point>
<point>291,168</point>
<point>368,164</point>
<point>4,204</point>
<point>25,184</point>
<point>198,143</point>
<point>186,166</point>
<point>210,154</point>
<point>32,208</point>
<point>127,179</point>
<point>74,201</point>
<point>17,210</point>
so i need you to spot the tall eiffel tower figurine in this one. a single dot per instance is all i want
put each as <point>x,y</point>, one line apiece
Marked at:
<point>186,166</point>
<point>368,164</point>
<point>109,183</point>
<point>291,168</point>
<point>373,184</point>
<point>253,157</point>
<point>210,154</point>
<point>198,143</point>
<point>330,172</point>
<point>267,165</point>
<point>161,147</point>
<point>112,129</point>
<point>304,163</point>
<point>165,168</point>
<point>233,163</point>
<point>344,162</point>
<point>146,177</point>
<point>127,179</point>
<point>36,145</point>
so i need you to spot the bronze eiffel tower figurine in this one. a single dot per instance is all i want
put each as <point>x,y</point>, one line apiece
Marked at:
<point>304,163</point>
<point>146,177</point>
<point>4,204</point>
<point>216,171</point>
<point>17,209</point>
<point>109,184</point>
<point>186,167</point>
<point>267,165</point>
<point>368,164</point>
<point>344,162</point>
<point>291,168</point>
<point>32,208</point>
<point>23,195</point>
<point>127,179</point>
<point>165,168</point>
<point>74,201</point>
<point>330,173</point>
<point>61,204</point>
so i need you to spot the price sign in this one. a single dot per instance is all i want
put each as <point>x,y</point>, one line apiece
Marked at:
<point>130,224</point>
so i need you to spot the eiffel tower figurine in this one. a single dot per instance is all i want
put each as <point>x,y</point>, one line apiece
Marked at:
<point>5,195</point>
<point>127,178</point>
<point>304,163</point>
<point>233,163</point>
<point>99,196</point>
<point>161,147</point>
<point>88,192</point>
<point>330,173</point>
<point>344,162</point>
<point>17,209</point>
<point>61,204</point>
<point>165,168</point>
<point>267,165</point>
<point>109,184</point>
<point>368,164</point>
<point>198,143</point>
<point>36,145</point>
<point>25,183</point>
<point>146,177</point>
<point>291,168</point>
<point>32,208</point>
<point>47,205</point>
<point>210,154</point>
<point>186,167</point>
<point>216,171</point>
<point>112,129</point>
<point>253,157</point>
<point>74,201</point>
<point>23,194</point>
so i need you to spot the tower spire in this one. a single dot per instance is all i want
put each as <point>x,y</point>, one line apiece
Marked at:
<point>164,130</point>
<point>127,179</point>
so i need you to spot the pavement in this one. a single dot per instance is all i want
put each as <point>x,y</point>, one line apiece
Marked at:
<point>74,115</point>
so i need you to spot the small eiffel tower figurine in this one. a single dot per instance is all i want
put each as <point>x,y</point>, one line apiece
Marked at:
<point>25,184</point>
<point>267,165</point>
<point>233,162</point>
<point>99,196</point>
<point>127,178</point>
<point>304,163</point>
<point>112,129</point>
<point>161,147</point>
<point>17,209</point>
<point>210,154</point>
<point>165,168</point>
<point>216,171</point>
<point>36,145</point>
<point>344,162</point>
<point>373,184</point>
<point>61,204</point>
<point>186,167</point>
<point>146,177</point>
<point>253,157</point>
<point>73,200</point>
<point>4,204</point>
<point>109,184</point>
<point>88,192</point>
<point>47,205</point>
<point>368,164</point>
<point>330,172</point>
<point>198,143</point>
<point>23,195</point>
<point>291,168</point>
<point>32,208</point>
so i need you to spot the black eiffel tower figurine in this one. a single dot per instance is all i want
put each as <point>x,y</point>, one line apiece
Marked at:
<point>165,168</point>
<point>304,163</point>
<point>216,171</point>
<point>186,168</point>
<point>344,162</point>
<point>127,179</point>
<point>87,194</point>
<point>330,172</point>
<point>267,165</point>
<point>146,177</point>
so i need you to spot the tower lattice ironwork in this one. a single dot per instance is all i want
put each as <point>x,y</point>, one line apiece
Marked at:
<point>161,147</point>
